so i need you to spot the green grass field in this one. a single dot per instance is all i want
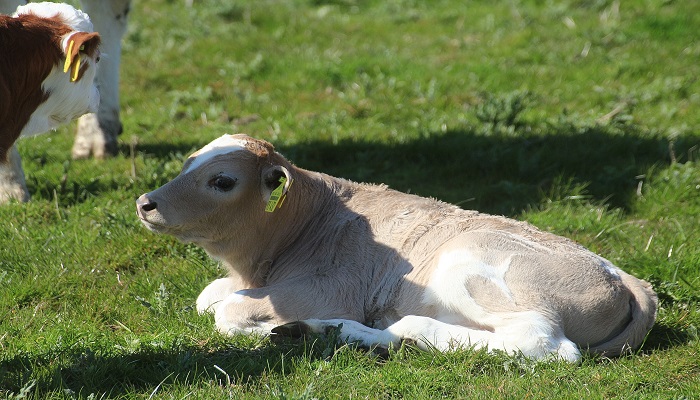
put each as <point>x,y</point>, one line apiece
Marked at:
<point>579,116</point>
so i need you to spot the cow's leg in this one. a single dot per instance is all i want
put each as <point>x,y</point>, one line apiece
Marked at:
<point>261,309</point>
<point>9,6</point>
<point>528,334</point>
<point>240,312</point>
<point>215,293</point>
<point>12,183</point>
<point>97,133</point>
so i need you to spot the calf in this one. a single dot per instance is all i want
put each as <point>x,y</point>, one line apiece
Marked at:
<point>386,266</point>
<point>47,71</point>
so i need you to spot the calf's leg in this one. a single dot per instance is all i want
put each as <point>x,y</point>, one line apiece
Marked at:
<point>259,310</point>
<point>241,313</point>
<point>215,293</point>
<point>529,334</point>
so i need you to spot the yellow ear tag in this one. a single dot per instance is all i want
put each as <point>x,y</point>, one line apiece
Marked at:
<point>276,196</point>
<point>284,195</point>
<point>66,65</point>
<point>76,68</point>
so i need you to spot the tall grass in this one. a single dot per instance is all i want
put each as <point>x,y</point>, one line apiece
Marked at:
<point>578,116</point>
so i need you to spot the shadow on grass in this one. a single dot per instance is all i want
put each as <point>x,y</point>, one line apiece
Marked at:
<point>164,150</point>
<point>71,189</point>
<point>84,373</point>
<point>497,174</point>
<point>70,192</point>
<point>663,337</point>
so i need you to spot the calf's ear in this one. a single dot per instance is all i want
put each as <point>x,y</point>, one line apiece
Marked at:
<point>272,180</point>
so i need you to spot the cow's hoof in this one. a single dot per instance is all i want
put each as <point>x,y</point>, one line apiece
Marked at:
<point>8,195</point>
<point>96,138</point>
<point>296,329</point>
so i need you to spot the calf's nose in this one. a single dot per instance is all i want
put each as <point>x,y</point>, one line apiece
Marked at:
<point>144,204</point>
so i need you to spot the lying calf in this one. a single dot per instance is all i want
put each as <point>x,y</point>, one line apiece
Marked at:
<point>48,57</point>
<point>302,245</point>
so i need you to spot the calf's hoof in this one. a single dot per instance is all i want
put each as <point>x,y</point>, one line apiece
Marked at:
<point>296,330</point>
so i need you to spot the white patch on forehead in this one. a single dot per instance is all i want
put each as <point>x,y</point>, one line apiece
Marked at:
<point>223,145</point>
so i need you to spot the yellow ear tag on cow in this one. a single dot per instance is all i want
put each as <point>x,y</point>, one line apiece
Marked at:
<point>284,194</point>
<point>66,65</point>
<point>276,196</point>
<point>76,68</point>
<point>75,63</point>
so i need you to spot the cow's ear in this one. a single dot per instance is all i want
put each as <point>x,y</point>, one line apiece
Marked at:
<point>276,181</point>
<point>85,43</point>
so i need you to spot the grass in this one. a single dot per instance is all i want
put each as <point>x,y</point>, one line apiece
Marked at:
<point>579,116</point>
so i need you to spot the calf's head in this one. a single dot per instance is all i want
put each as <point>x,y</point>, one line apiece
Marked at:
<point>220,195</point>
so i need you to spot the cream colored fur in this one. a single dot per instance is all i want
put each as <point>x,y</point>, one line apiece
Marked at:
<point>387,266</point>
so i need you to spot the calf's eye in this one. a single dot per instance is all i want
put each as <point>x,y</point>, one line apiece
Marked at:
<point>223,183</point>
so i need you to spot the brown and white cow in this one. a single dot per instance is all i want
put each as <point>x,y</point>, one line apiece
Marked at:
<point>386,266</point>
<point>47,72</point>
<point>97,133</point>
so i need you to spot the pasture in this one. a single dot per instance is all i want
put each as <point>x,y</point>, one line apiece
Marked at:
<point>579,116</point>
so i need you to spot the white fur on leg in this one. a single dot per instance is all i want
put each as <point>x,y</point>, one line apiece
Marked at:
<point>212,295</point>
<point>90,138</point>
<point>217,297</point>
<point>227,327</point>
<point>533,338</point>
<point>12,182</point>
<point>231,319</point>
<point>528,333</point>
<point>353,331</point>
<point>97,133</point>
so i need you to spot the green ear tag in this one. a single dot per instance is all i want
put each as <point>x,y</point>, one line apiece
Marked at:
<point>276,196</point>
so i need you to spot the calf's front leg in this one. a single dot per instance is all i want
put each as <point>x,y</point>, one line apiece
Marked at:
<point>241,313</point>
<point>259,310</point>
<point>214,294</point>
